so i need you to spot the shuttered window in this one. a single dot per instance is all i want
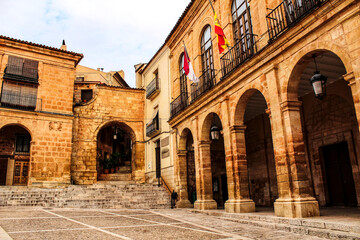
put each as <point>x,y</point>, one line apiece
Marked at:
<point>18,94</point>
<point>22,67</point>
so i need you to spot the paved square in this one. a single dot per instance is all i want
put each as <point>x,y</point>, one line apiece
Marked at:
<point>47,223</point>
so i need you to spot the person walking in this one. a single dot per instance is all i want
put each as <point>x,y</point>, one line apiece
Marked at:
<point>173,198</point>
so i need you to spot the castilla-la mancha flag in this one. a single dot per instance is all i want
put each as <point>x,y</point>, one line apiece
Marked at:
<point>188,69</point>
<point>223,43</point>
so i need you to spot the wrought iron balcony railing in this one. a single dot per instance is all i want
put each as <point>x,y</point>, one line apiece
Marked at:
<point>153,127</point>
<point>287,14</point>
<point>21,73</point>
<point>179,104</point>
<point>206,82</point>
<point>22,102</point>
<point>238,54</point>
<point>152,88</point>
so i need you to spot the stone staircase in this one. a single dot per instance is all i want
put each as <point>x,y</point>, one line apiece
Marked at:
<point>108,194</point>
<point>323,228</point>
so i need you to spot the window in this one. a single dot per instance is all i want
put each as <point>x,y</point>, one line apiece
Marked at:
<point>86,95</point>
<point>206,51</point>
<point>80,79</point>
<point>22,144</point>
<point>21,69</point>
<point>183,82</point>
<point>18,95</point>
<point>241,21</point>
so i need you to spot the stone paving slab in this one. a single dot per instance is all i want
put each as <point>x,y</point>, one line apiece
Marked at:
<point>49,224</point>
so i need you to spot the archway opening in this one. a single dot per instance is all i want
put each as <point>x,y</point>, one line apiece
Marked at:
<point>14,155</point>
<point>259,152</point>
<point>218,164</point>
<point>190,167</point>
<point>330,130</point>
<point>115,152</point>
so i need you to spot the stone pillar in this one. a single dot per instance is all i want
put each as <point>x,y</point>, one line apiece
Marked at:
<point>236,168</point>
<point>181,175</point>
<point>204,178</point>
<point>301,202</point>
<point>350,78</point>
<point>295,195</point>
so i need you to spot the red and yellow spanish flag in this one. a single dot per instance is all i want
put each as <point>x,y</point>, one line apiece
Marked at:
<point>223,43</point>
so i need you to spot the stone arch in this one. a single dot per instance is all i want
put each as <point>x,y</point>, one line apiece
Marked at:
<point>111,123</point>
<point>299,61</point>
<point>206,125</point>
<point>19,125</point>
<point>239,112</point>
<point>183,137</point>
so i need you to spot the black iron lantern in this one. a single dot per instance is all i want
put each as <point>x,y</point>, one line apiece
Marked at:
<point>116,133</point>
<point>215,133</point>
<point>318,83</point>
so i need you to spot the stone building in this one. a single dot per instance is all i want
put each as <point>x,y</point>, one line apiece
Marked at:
<point>278,144</point>
<point>154,78</point>
<point>36,117</point>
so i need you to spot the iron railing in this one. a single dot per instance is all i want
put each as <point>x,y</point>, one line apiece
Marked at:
<point>238,54</point>
<point>153,127</point>
<point>206,82</point>
<point>21,73</point>
<point>287,13</point>
<point>179,104</point>
<point>22,102</point>
<point>152,87</point>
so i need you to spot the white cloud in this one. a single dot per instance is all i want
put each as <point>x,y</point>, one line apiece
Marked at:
<point>114,34</point>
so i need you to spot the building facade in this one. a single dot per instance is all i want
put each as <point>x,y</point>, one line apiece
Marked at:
<point>279,145</point>
<point>154,77</point>
<point>36,118</point>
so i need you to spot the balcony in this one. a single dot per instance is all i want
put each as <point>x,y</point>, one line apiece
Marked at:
<point>179,104</point>
<point>21,102</point>
<point>153,88</point>
<point>153,128</point>
<point>206,82</point>
<point>20,73</point>
<point>286,15</point>
<point>238,54</point>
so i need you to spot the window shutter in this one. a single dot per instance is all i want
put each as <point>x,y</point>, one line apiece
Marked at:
<point>30,68</point>
<point>15,65</point>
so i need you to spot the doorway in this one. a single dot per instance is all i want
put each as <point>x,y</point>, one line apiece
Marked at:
<point>3,171</point>
<point>339,178</point>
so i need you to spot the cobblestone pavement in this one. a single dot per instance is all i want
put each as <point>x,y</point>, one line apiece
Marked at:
<point>48,223</point>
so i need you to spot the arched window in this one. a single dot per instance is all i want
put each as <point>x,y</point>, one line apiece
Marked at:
<point>183,84</point>
<point>241,20</point>
<point>206,52</point>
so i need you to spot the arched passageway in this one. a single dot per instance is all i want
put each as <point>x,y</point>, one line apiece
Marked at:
<point>330,130</point>
<point>115,153</point>
<point>15,143</point>
<point>190,168</point>
<point>259,152</point>
<point>218,164</point>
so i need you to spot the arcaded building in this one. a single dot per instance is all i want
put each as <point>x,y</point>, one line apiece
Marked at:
<point>274,120</point>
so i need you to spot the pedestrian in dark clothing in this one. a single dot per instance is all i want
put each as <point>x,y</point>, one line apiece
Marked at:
<point>173,198</point>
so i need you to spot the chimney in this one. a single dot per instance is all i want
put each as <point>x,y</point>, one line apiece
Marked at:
<point>63,46</point>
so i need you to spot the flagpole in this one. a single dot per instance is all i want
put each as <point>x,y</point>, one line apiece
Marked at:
<point>212,6</point>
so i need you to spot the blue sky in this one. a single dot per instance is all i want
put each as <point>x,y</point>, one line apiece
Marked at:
<point>113,34</point>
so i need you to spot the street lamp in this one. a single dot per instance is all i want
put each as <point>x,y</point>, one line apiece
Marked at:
<point>215,133</point>
<point>318,83</point>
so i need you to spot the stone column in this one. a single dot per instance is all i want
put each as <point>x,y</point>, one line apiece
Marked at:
<point>350,78</point>
<point>295,195</point>
<point>181,175</point>
<point>236,165</point>
<point>204,178</point>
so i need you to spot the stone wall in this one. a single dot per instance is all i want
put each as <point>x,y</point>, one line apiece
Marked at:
<point>110,105</point>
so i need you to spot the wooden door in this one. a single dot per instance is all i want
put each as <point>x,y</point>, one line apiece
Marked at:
<point>339,178</point>
<point>21,172</point>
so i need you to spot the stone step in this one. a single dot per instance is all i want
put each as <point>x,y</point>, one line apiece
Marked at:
<point>313,227</point>
<point>105,194</point>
